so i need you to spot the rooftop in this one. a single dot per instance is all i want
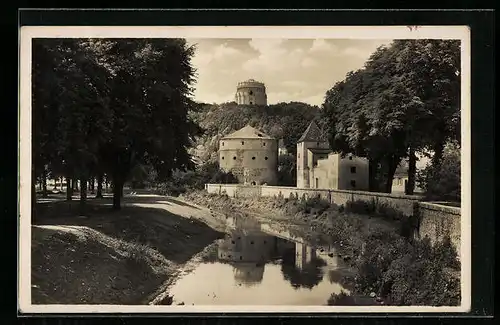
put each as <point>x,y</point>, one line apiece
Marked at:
<point>313,134</point>
<point>319,150</point>
<point>248,132</point>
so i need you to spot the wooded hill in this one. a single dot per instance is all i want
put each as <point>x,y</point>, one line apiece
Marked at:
<point>285,121</point>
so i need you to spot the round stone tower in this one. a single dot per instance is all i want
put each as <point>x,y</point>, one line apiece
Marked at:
<point>251,92</point>
<point>251,155</point>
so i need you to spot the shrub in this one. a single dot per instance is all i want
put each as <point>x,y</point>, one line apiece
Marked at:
<point>341,299</point>
<point>408,274</point>
<point>442,182</point>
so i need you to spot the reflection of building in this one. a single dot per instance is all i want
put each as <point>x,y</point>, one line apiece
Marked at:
<point>319,167</point>
<point>248,273</point>
<point>250,155</point>
<point>304,255</point>
<point>247,247</point>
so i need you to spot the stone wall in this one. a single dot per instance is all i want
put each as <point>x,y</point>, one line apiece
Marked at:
<point>436,220</point>
<point>402,203</point>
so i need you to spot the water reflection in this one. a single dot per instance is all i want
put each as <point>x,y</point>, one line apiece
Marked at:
<point>248,249</point>
<point>253,266</point>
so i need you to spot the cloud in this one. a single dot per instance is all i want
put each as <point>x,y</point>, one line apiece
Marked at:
<point>321,45</point>
<point>292,70</point>
<point>218,54</point>
<point>308,62</point>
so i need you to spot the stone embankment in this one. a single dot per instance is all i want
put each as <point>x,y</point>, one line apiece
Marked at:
<point>400,270</point>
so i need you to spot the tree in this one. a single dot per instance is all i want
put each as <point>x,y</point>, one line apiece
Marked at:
<point>405,100</point>
<point>287,170</point>
<point>442,181</point>
<point>150,100</point>
<point>103,106</point>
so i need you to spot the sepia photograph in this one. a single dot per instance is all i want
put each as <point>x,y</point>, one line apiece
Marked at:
<point>225,169</point>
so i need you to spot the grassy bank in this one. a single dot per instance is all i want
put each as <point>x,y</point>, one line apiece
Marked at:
<point>386,262</point>
<point>98,256</point>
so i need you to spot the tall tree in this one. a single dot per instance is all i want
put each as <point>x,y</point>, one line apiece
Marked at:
<point>405,100</point>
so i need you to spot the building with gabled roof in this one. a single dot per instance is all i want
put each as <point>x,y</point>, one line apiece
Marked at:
<point>319,167</point>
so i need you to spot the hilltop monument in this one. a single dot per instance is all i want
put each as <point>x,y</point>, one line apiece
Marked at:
<point>251,92</point>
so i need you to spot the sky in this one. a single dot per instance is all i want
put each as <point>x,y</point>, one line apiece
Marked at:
<point>292,69</point>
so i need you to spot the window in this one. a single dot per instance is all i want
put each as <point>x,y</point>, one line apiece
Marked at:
<point>317,143</point>
<point>251,242</point>
<point>317,181</point>
<point>234,158</point>
<point>253,183</point>
<point>353,170</point>
<point>353,183</point>
<point>241,257</point>
<point>223,143</point>
<point>251,93</point>
<point>232,241</point>
<point>298,155</point>
<point>251,103</point>
<point>263,144</point>
<point>265,158</point>
<point>222,157</point>
<point>259,135</point>
<point>242,142</point>
<point>253,158</point>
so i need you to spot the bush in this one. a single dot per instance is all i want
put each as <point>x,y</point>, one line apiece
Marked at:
<point>341,299</point>
<point>313,205</point>
<point>373,209</point>
<point>408,274</point>
<point>442,182</point>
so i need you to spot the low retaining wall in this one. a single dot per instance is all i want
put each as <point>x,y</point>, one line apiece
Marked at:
<point>435,220</point>
<point>403,203</point>
<point>438,221</point>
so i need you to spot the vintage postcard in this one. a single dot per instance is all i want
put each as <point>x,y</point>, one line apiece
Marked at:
<point>244,169</point>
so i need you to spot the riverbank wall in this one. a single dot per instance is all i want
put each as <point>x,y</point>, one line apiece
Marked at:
<point>434,220</point>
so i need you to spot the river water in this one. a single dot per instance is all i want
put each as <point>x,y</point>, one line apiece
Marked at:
<point>256,265</point>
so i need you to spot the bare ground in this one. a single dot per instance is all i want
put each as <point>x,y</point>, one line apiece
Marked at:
<point>99,256</point>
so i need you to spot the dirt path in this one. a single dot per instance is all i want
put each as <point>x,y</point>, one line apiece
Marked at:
<point>123,257</point>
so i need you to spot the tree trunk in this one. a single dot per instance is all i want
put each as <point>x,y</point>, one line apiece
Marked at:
<point>75,185</point>
<point>69,189</point>
<point>33,195</point>
<point>412,171</point>
<point>92,185</point>
<point>438,149</point>
<point>44,183</point>
<point>117,193</point>
<point>99,186</point>
<point>392,164</point>
<point>83,191</point>
<point>372,175</point>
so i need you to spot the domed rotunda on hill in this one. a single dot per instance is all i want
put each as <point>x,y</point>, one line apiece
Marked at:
<point>251,92</point>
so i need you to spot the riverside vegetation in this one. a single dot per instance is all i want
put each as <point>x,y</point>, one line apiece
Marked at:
<point>385,260</point>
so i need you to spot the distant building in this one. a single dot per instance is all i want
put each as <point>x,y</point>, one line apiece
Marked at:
<point>400,179</point>
<point>319,167</point>
<point>251,155</point>
<point>282,151</point>
<point>251,92</point>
